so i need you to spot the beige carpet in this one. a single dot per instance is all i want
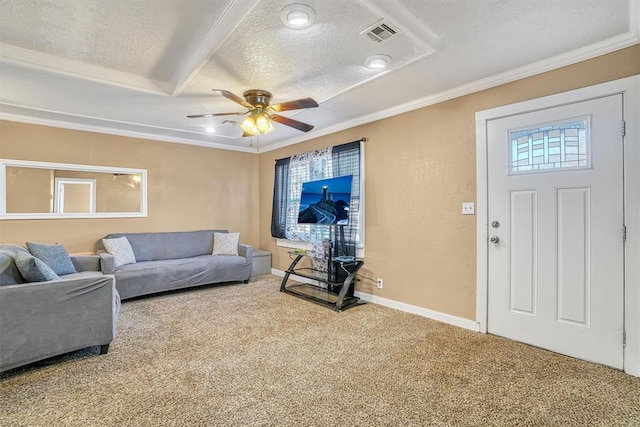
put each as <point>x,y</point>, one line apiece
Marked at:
<point>249,355</point>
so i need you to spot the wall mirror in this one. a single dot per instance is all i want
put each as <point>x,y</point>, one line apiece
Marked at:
<point>41,190</point>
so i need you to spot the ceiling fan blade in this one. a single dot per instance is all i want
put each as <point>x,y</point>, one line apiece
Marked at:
<point>290,122</point>
<point>298,104</point>
<point>197,116</point>
<point>233,97</point>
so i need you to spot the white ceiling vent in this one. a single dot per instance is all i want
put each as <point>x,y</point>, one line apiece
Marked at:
<point>381,31</point>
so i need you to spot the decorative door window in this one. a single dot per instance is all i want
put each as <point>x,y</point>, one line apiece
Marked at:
<point>549,147</point>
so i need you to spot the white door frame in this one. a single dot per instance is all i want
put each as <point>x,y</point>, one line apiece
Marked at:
<point>59,192</point>
<point>630,88</point>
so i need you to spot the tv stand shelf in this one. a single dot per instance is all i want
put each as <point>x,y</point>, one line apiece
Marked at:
<point>339,281</point>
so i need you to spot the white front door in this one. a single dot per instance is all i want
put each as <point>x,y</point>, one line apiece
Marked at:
<point>555,213</point>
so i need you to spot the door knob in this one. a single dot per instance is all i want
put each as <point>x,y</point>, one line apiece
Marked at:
<point>494,239</point>
<point>495,224</point>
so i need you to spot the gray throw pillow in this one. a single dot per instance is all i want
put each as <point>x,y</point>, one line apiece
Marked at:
<point>55,256</point>
<point>121,250</point>
<point>32,269</point>
<point>225,243</point>
<point>9,273</point>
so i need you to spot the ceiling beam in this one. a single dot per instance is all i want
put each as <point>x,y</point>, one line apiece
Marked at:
<point>220,30</point>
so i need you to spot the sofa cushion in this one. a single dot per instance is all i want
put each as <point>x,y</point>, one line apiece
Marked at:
<point>225,243</point>
<point>55,256</point>
<point>121,250</point>
<point>168,245</point>
<point>33,269</point>
<point>83,275</point>
<point>149,277</point>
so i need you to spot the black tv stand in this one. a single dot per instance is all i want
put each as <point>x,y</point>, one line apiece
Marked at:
<point>339,281</point>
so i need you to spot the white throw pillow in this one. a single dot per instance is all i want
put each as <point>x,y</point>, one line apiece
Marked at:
<point>225,243</point>
<point>121,250</point>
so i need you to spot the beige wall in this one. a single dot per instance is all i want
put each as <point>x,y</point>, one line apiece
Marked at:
<point>28,190</point>
<point>416,178</point>
<point>190,187</point>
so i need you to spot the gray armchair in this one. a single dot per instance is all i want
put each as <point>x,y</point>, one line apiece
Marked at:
<point>44,319</point>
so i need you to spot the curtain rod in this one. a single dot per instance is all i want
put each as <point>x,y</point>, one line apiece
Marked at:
<point>363,139</point>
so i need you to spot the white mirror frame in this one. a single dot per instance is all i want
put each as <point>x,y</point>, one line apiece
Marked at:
<point>4,163</point>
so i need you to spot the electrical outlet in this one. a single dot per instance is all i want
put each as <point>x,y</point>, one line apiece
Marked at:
<point>379,283</point>
<point>468,208</point>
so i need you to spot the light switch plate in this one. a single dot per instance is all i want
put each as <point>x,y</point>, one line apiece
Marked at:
<point>468,208</point>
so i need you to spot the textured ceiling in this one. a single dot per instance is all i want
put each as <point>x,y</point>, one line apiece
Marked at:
<point>140,37</point>
<point>140,67</point>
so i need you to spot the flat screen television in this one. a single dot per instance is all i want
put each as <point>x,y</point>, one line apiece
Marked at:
<point>326,201</point>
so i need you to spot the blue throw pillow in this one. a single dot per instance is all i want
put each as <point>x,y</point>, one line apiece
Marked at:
<point>32,269</point>
<point>55,256</point>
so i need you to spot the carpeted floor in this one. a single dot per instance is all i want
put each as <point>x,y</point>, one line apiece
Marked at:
<point>249,355</point>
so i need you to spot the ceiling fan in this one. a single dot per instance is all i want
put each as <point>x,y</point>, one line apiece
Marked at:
<point>261,113</point>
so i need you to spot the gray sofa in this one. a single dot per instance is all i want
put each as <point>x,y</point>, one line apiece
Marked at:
<point>174,260</point>
<point>44,319</point>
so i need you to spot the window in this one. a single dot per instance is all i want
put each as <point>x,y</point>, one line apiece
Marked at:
<point>292,172</point>
<point>557,146</point>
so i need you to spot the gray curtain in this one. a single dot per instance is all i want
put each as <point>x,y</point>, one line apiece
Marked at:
<point>280,191</point>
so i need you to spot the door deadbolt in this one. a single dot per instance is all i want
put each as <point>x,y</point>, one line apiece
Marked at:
<point>494,239</point>
<point>495,224</point>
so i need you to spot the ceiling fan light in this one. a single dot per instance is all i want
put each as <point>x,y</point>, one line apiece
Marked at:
<point>263,123</point>
<point>298,16</point>
<point>249,126</point>
<point>270,128</point>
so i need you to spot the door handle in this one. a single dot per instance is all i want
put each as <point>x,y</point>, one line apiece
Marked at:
<point>494,239</point>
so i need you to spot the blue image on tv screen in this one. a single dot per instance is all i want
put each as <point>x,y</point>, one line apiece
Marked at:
<point>326,201</point>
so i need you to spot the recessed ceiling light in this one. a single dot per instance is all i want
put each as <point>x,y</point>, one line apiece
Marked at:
<point>298,16</point>
<point>377,62</point>
<point>210,129</point>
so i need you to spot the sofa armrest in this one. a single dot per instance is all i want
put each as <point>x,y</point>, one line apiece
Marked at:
<point>86,262</point>
<point>107,263</point>
<point>246,251</point>
<point>44,319</point>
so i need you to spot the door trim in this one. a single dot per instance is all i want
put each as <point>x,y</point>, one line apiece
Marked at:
<point>630,89</point>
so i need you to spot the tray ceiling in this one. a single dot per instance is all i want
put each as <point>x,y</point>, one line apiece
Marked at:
<point>140,67</point>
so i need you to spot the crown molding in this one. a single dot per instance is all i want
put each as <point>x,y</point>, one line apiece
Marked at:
<point>63,124</point>
<point>53,64</point>
<point>597,49</point>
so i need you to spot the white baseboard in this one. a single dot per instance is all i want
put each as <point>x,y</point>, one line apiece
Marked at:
<point>420,311</point>
<point>407,308</point>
